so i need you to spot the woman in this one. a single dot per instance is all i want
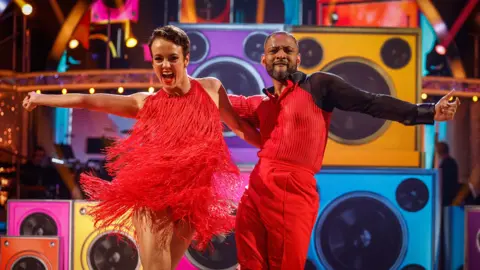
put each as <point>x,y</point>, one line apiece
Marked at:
<point>173,176</point>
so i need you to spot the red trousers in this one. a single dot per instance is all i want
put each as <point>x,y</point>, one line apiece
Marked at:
<point>275,217</point>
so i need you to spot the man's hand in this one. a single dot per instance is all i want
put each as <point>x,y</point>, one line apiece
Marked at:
<point>29,101</point>
<point>445,110</point>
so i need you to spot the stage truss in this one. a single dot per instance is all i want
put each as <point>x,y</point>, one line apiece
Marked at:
<point>143,79</point>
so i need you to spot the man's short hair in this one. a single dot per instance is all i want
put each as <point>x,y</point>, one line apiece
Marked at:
<point>279,33</point>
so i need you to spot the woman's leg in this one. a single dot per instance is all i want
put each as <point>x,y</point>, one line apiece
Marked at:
<point>181,239</point>
<point>154,245</point>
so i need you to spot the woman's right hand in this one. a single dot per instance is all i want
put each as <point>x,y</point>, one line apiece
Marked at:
<point>29,101</point>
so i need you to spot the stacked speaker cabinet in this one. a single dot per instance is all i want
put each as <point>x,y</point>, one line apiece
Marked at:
<point>268,11</point>
<point>93,249</point>
<point>38,218</point>
<point>372,13</point>
<point>472,237</point>
<point>232,54</point>
<point>209,11</point>
<point>381,61</point>
<point>30,253</point>
<point>454,237</point>
<point>375,219</point>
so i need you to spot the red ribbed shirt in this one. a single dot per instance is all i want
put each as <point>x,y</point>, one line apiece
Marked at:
<point>294,126</point>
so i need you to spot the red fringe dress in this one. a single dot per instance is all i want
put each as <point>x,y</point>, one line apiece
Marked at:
<point>176,160</point>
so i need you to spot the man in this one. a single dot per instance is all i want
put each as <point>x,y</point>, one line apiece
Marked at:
<point>448,174</point>
<point>40,179</point>
<point>450,189</point>
<point>277,212</point>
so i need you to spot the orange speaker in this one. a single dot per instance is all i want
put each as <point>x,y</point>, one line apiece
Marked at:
<point>218,11</point>
<point>378,60</point>
<point>29,253</point>
<point>372,13</point>
<point>94,249</point>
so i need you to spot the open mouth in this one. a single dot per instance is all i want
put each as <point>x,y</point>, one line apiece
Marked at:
<point>168,77</point>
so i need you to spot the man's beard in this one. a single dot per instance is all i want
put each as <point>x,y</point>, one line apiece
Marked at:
<point>281,75</point>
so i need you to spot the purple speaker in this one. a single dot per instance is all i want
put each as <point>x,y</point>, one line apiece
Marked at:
<point>231,53</point>
<point>472,237</point>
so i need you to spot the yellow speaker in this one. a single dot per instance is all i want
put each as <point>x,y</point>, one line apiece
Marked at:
<point>93,249</point>
<point>378,60</point>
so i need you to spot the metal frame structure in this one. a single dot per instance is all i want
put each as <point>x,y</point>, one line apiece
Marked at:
<point>142,79</point>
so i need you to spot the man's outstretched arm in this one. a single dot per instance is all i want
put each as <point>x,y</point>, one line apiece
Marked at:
<point>335,92</point>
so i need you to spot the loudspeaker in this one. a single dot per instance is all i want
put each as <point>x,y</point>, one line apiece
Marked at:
<point>93,249</point>
<point>30,253</point>
<point>43,219</point>
<point>268,11</point>
<point>375,219</point>
<point>372,13</point>
<point>472,237</point>
<point>205,11</point>
<point>105,11</point>
<point>237,66</point>
<point>381,61</point>
<point>454,237</point>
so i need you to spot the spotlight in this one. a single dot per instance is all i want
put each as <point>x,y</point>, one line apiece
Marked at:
<point>424,96</point>
<point>120,90</point>
<point>91,90</point>
<point>27,9</point>
<point>333,18</point>
<point>475,98</point>
<point>131,42</point>
<point>151,89</point>
<point>440,49</point>
<point>38,91</point>
<point>436,63</point>
<point>64,91</point>
<point>73,44</point>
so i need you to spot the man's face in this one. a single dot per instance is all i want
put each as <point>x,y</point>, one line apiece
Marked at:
<point>38,157</point>
<point>281,57</point>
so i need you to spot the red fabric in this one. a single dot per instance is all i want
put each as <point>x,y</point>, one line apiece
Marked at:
<point>276,216</point>
<point>82,32</point>
<point>292,127</point>
<point>174,160</point>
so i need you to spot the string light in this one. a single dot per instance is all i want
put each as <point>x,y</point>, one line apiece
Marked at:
<point>475,98</point>
<point>151,90</point>
<point>38,91</point>
<point>120,90</point>
<point>3,197</point>
<point>73,44</point>
<point>91,90</point>
<point>131,42</point>
<point>64,91</point>
<point>7,170</point>
<point>424,96</point>
<point>4,182</point>
<point>8,131</point>
<point>27,9</point>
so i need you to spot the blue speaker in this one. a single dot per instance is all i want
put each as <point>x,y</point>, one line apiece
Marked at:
<point>382,219</point>
<point>454,237</point>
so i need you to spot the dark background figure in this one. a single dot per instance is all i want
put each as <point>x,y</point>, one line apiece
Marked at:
<point>448,168</point>
<point>40,179</point>
<point>450,187</point>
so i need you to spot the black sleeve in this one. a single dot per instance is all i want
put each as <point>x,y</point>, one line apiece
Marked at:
<point>337,93</point>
